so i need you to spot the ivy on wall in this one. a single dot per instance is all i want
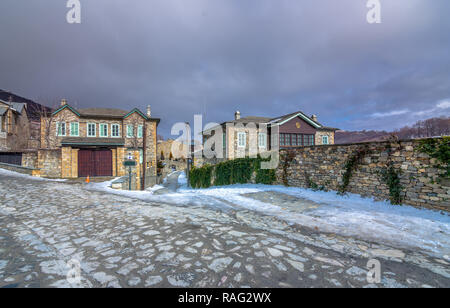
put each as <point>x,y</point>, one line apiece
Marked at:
<point>237,171</point>
<point>200,177</point>
<point>350,166</point>
<point>391,177</point>
<point>438,149</point>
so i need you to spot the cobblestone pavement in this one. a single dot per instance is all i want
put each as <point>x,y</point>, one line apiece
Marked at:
<point>122,242</point>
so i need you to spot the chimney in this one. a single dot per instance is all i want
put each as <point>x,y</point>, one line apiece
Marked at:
<point>237,115</point>
<point>149,111</point>
<point>314,118</point>
<point>63,102</point>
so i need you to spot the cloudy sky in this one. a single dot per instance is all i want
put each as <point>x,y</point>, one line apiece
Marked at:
<point>212,57</point>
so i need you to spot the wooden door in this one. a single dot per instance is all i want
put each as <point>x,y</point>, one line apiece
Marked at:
<point>103,162</point>
<point>94,163</point>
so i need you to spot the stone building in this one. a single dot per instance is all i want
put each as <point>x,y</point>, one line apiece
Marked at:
<point>95,142</point>
<point>29,118</point>
<point>14,126</point>
<point>251,135</point>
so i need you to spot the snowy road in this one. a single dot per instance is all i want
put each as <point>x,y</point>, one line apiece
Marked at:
<point>125,242</point>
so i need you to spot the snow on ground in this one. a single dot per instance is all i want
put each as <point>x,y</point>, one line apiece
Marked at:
<point>26,176</point>
<point>351,215</point>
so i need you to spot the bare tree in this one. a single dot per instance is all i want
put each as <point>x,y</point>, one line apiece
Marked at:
<point>46,120</point>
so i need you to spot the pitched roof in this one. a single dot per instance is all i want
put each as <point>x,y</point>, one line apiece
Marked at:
<point>108,113</point>
<point>93,141</point>
<point>103,112</point>
<point>33,109</point>
<point>278,121</point>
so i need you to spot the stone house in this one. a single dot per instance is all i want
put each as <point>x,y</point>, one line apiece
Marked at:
<point>251,135</point>
<point>30,121</point>
<point>95,142</point>
<point>14,126</point>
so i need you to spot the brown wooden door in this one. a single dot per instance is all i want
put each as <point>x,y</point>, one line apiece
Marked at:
<point>94,163</point>
<point>103,163</point>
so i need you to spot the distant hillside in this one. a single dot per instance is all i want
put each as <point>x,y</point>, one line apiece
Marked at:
<point>422,129</point>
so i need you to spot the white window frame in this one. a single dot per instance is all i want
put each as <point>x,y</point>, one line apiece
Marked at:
<point>128,131</point>
<point>140,131</point>
<point>325,140</point>
<point>101,128</point>
<point>112,130</point>
<point>95,130</point>
<point>58,125</point>
<point>262,137</point>
<point>244,139</point>
<point>78,129</point>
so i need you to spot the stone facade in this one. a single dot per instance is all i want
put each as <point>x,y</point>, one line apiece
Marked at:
<point>49,163</point>
<point>320,134</point>
<point>142,148</point>
<point>14,130</point>
<point>324,166</point>
<point>290,131</point>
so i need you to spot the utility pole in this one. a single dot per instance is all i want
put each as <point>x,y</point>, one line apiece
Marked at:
<point>188,152</point>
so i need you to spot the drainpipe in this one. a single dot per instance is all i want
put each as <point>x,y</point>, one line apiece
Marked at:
<point>144,154</point>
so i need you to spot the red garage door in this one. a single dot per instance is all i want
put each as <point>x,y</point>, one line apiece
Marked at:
<point>94,163</point>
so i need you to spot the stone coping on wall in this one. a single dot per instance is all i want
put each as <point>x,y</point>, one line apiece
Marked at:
<point>421,183</point>
<point>21,169</point>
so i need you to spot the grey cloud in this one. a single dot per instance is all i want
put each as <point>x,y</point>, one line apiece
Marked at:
<point>263,57</point>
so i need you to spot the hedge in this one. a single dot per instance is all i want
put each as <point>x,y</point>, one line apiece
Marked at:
<point>237,171</point>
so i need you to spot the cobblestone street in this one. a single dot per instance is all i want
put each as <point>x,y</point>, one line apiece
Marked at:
<point>122,242</point>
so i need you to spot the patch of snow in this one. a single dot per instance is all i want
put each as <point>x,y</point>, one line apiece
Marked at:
<point>154,188</point>
<point>351,215</point>
<point>182,179</point>
<point>26,176</point>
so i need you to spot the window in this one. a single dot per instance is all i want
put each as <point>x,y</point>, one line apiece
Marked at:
<point>300,140</point>
<point>294,140</point>
<point>115,130</point>
<point>74,129</point>
<point>91,130</point>
<point>130,131</point>
<point>324,139</point>
<point>103,130</point>
<point>282,142</point>
<point>242,140</point>
<point>61,128</point>
<point>140,132</point>
<point>262,140</point>
<point>310,140</point>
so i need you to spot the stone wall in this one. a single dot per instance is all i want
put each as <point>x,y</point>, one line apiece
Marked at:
<point>324,166</point>
<point>49,163</point>
<point>20,169</point>
<point>30,159</point>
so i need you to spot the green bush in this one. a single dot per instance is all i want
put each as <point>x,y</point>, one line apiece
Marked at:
<point>237,171</point>
<point>439,149</point>
<point>201,177</point>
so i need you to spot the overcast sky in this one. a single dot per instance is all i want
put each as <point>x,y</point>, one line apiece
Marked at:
<point>212,57</point>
